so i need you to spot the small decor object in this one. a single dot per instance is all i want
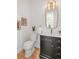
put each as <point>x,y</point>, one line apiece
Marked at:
<point>33,28</point>
<point>23,21</point>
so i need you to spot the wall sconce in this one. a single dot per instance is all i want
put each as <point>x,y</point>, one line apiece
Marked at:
<point>51,4</point>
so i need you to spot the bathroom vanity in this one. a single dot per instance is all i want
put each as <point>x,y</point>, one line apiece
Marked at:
<point>50,47</point>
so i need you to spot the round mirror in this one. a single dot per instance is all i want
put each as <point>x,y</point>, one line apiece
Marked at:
<point>51,18</point>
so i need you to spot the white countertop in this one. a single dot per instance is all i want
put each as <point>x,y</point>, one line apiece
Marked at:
<point>52,35</point>
<point>47,32</point>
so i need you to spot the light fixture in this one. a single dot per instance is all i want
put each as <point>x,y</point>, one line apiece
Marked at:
<point>51,4</point>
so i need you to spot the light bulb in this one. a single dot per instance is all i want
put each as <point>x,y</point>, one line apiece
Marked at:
<point>51,4</point>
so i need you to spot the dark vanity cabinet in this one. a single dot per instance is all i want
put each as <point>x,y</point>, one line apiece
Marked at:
<point>50,47</point>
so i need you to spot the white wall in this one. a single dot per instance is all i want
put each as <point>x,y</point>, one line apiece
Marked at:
<point>19,40</point>
<point>37,16</point>
<point>23,9</point>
